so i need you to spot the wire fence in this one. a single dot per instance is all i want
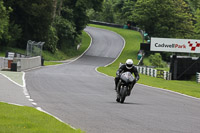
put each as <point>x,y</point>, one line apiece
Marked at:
<point>34,48</point>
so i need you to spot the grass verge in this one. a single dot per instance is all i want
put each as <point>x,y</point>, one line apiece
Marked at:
<point>21,119</point>
<point>132,46</point>
<point>48,63</point>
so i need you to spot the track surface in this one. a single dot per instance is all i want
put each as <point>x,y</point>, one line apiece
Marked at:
<point>85,99</point>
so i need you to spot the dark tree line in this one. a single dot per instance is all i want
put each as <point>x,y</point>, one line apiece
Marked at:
<point>59,23</point>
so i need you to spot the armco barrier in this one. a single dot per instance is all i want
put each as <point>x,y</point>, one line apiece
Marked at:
<point>198,77</point>
<point>27,63</point>
<point>154,72</point>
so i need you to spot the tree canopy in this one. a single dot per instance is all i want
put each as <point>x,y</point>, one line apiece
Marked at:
<point>159,18</point>
<point>4,19</point>
<point>59,23</point>
<point>166,18</point>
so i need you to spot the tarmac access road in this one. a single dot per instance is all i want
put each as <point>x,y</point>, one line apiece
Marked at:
<point>85,99</point>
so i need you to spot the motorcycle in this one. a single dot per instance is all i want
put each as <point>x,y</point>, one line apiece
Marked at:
<point>124,86</point>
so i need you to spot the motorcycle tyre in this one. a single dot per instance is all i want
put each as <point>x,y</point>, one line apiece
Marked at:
<point>123,92</point>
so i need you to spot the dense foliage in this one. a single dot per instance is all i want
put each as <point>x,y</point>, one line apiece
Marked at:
<point>4,19</point>
<point>159,18</point>
<point>164,18</point>
<point>59,23</point>
<point>156,60</point>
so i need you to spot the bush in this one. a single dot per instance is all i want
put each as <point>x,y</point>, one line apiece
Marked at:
<point>156,60</point>
<point>65,32</point>
<point>51,44</point>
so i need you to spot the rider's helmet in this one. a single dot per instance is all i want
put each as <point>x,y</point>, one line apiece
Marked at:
<point>129,63</point>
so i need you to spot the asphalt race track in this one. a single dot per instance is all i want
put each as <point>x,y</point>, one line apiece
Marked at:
<point>85,99</point>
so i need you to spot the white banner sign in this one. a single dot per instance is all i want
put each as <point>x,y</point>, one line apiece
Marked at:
<point>175,45</point>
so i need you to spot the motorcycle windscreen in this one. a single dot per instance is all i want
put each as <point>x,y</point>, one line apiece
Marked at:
<point>127,77</point>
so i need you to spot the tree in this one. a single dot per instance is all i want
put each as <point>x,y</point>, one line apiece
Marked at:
<point>164,18</point>
<point>4,19</point>
<point>34,18</point>
<point>106,14</point>
<point>72,19</point>
<point>194,4</point>
<point>59,23</point>
<point>197,25</point>
<point>156,60</point>
<point>124,10</point>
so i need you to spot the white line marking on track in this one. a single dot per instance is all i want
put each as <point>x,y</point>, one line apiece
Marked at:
<point>170,91</point>
<point>162,89</point>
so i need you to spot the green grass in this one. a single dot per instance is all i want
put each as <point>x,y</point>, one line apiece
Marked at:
<point>190,88</point>
<point>2,54</point>
<point>48,63</point>
<point>133,40</point>
<point>21,119</point>
<point>3,51</point>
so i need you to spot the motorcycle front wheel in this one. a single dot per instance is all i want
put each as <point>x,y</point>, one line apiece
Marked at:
<point>123,92</point>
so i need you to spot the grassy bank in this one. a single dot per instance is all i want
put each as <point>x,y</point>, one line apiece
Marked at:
<point>20,119</point>
<point>59,55</point>
<point>133,40</point>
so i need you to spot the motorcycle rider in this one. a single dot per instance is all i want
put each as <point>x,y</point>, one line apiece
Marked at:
<point>128,66</point>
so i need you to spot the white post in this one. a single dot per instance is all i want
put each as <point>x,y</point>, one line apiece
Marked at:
<point>165,75</point>
<point>198,77</point>
<point>154,73</point>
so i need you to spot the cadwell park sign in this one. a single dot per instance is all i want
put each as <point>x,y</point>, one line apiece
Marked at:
<point>175,45</point>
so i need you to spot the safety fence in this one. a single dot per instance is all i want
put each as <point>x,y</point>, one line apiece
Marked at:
<point>154,72</point>
<point>198,77</point>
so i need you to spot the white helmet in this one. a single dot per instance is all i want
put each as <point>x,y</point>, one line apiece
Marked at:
<point>129,63</point>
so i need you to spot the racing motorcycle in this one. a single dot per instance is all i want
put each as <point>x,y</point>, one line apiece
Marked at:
<point>124,86</point>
